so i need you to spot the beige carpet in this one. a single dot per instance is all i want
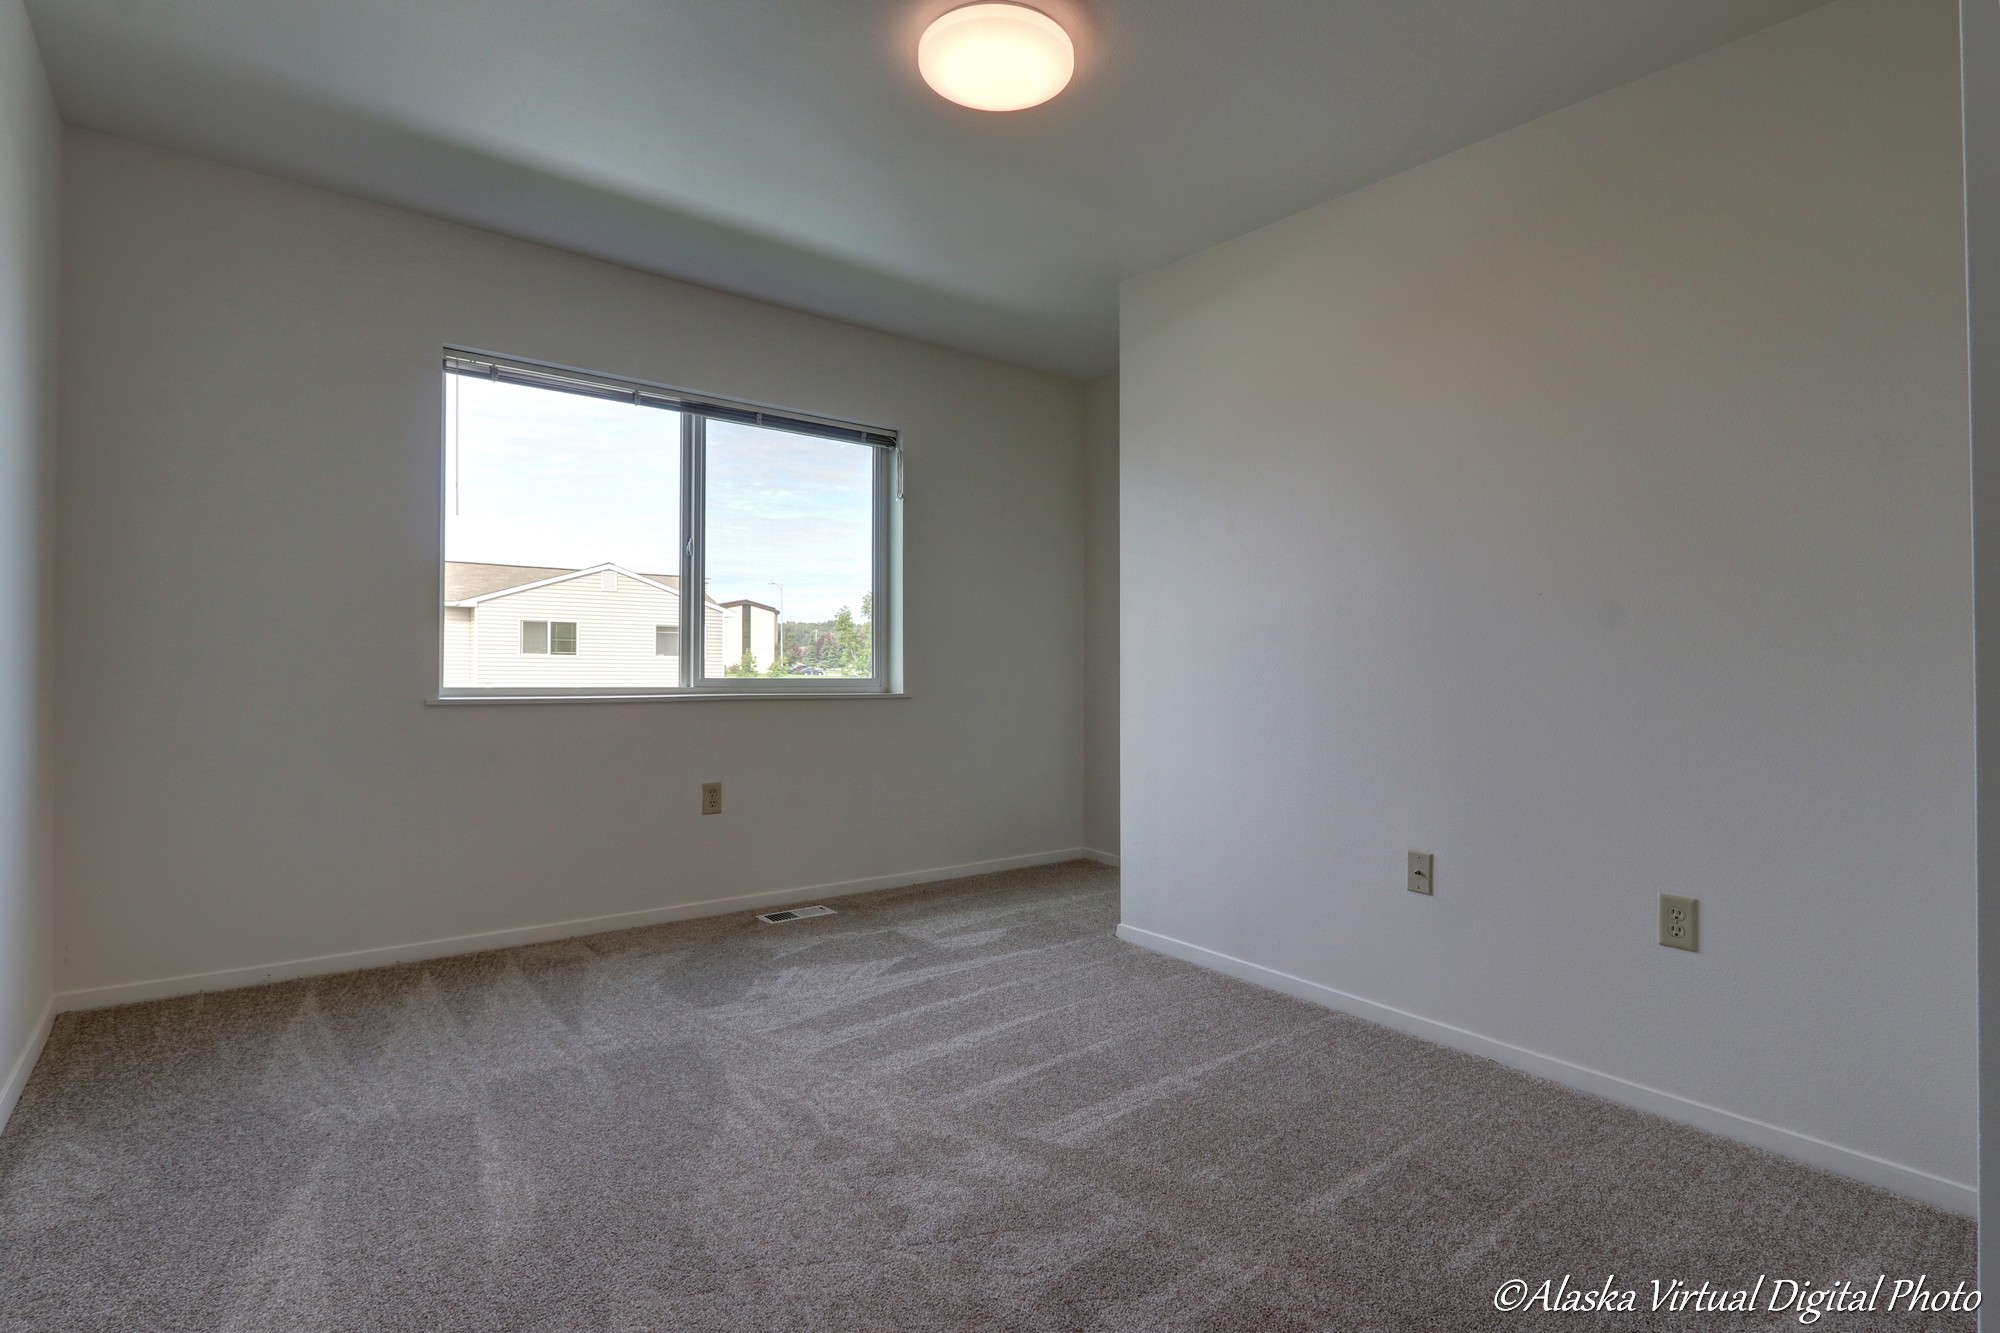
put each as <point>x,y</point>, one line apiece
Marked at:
<point>963,1106</point>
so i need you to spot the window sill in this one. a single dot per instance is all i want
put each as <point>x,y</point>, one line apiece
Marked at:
<point>483,700</point>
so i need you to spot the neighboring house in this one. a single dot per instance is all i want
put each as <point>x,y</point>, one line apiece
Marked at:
<point>749,627</point>
<point>606,625</point>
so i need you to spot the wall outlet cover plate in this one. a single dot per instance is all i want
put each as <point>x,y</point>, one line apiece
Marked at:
<point>1680,922</point>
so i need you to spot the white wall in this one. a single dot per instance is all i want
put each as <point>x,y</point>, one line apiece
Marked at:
<point>247,619</point>
<point>30,193</point>
<point>1980,93</point>
<point>1596,499</point>
<point>1100,596</point>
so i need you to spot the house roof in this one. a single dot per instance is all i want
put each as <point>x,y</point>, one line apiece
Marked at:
<point>463,581</point>
<point>761,606</point>
<point>467,583</point>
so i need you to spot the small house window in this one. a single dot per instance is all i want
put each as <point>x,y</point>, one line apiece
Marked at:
<point>667,641</point>
<point>548,636</point>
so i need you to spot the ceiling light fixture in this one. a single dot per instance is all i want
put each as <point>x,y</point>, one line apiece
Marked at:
<point>996,57</point>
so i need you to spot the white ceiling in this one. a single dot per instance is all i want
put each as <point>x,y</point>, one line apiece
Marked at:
<point>786,149</point>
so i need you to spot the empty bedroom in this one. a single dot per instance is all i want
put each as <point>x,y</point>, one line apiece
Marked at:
<point>1072,665</point>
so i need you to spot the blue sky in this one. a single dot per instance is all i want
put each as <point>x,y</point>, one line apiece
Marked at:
<point>534,477</point>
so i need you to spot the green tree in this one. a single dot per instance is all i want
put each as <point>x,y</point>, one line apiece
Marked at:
<point>862,660</point>
<point>853,640</point>
<point>746,667</point>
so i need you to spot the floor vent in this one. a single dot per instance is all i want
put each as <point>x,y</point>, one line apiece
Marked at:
<point>793,914</point>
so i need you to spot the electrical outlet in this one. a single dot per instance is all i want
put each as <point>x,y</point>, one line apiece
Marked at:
<point>1421,865</point>
<point>711,798</point>
<point>1680,923</point>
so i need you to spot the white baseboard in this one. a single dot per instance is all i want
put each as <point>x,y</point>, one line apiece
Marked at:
<point>24,1063</point>
<point>1102,858</point>
<point>1937,1191</point>
<point>99,997</point>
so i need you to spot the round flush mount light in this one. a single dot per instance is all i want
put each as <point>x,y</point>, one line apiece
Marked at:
<point>996,57</point>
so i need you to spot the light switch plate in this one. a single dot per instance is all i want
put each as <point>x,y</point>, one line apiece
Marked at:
<point>1421,866</point>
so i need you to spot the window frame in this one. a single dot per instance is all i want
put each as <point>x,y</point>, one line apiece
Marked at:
<point>696,410</point>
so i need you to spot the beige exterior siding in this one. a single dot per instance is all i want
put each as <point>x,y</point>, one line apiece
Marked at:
<point>712,661</point>
<point>458,669</point>
<point>748,627</point>
<point>616,617</point>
